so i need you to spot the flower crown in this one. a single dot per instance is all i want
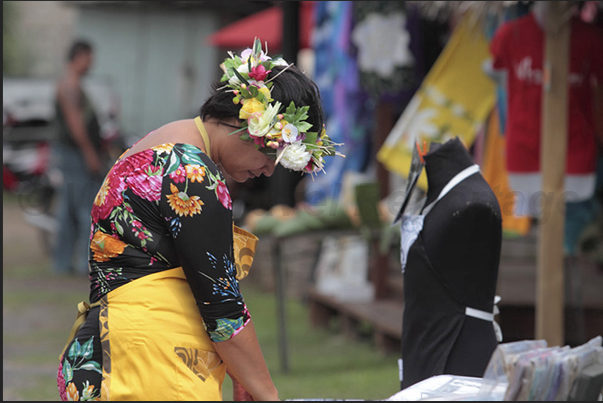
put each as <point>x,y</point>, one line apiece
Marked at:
<point>283,134</point>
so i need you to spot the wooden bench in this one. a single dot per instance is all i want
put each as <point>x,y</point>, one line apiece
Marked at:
<point>383,317</point>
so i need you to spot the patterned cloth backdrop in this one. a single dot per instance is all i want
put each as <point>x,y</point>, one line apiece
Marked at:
<point>347,107</point>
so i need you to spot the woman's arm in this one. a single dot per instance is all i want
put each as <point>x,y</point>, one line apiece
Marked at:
<point>245,363</point>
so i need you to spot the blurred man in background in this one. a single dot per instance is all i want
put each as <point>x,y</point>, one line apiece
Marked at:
<point>77,147</point>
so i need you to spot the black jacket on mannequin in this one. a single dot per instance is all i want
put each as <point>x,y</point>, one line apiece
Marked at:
<point>451,266</point>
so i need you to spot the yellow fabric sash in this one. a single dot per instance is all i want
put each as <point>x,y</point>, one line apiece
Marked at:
<point>204,135</point>
<point>244,244</point>
<point>80,318</point>
<point>154,341</point>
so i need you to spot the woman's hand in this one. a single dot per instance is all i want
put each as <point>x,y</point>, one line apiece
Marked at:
<point>245,363</point>
<point>239,394</point>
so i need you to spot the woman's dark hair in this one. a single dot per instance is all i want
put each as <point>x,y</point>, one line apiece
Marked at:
<point>290,85</point>
<point>78,47</point>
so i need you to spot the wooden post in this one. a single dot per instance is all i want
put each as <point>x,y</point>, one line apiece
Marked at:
<point>279,276</point>
<point>550,296</point>
<point>384,121</point>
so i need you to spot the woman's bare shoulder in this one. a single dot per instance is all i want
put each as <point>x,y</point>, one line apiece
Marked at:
<point>179,131</point>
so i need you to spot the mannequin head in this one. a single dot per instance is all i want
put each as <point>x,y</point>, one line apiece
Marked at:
<point>442,163</point>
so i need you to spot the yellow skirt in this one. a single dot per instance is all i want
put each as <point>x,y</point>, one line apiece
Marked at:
<point>154,344</point>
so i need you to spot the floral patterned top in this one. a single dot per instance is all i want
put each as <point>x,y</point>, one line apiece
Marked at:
<point>161,208</point>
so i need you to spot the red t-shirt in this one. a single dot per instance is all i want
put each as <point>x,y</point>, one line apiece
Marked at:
<point>518,47</point>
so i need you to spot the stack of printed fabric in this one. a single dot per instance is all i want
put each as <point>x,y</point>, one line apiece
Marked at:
<point>521,371</point>
<point>532,371</point>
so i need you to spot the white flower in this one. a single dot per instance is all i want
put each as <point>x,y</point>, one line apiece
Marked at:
<point>248,52</point>
<point>295,156</point>
<point>245,54</point>
<point>280,62</point>
<point>261,122</point>
<point>290,133</point>
<point>382,43</point>
<point>243,69</point>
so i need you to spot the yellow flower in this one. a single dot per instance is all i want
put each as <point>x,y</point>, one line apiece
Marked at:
<point>105,246</point>
<point>266,92</point>
<point>195,172</point>
<point>260,123</point>
<point>163,148</point>
<point>250,106</point>
<point>182,204</point>
<point>99,200</point>
<point>87,392</point>
<point>72,393</point>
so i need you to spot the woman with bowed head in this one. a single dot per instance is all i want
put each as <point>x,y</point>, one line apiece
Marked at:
<point>166,319</point>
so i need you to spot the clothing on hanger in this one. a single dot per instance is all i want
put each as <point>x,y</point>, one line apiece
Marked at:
<point>518,48</point>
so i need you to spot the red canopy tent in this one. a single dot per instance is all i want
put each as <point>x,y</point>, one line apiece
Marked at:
<point>266,25</point>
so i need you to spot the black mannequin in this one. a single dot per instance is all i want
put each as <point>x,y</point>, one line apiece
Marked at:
<point>453,264</point>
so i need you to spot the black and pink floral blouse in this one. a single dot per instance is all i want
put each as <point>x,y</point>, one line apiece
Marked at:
<point>161,208</point>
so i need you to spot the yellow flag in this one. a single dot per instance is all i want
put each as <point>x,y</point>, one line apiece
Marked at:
<point>454,100</point>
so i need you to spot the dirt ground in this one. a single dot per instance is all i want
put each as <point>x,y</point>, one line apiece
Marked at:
<point>38,310</point>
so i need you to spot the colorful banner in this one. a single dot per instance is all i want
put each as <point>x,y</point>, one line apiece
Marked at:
<point>347,109</point>
<point>454,100</point>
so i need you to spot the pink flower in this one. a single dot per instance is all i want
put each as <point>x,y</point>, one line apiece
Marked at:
<point>108,197</point>
<point>310,166</point>
<point>141,159</point>
<point>61,381</point>
<point>138,229</point>
<point>224,195</point>
<point>259,73</point>
<point>248,52</point>
<point>179,175</point>
<point>145,182</point>
<point>259,141</point>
